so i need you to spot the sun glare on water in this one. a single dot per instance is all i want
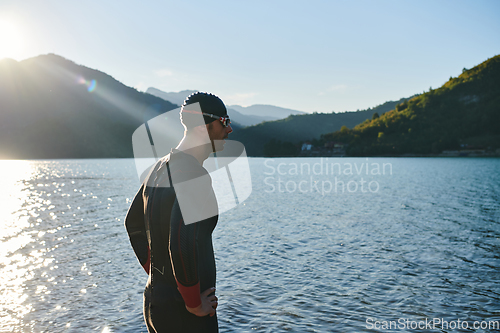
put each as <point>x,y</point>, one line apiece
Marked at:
<point>11,40</point>
<point>13,266</point>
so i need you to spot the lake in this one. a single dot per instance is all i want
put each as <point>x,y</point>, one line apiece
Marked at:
<point>321,245</point>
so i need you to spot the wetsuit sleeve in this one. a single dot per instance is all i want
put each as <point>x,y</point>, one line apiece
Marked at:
<point>184,254</point>
<point>136,229</point>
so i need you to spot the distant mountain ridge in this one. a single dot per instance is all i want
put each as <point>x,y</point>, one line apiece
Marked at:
<point>51,107</point>
<point>264,110</point>
<point>173,97</point>
<point>244,116</point>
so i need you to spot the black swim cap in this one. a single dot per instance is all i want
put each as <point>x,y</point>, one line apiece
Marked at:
<point>209,103</point>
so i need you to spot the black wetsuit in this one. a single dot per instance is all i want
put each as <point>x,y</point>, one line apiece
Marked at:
<point>178,257</point>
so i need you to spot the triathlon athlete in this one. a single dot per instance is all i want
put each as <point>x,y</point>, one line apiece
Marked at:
<point>176,253</point>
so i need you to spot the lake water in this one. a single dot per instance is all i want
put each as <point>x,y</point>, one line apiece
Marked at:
<point>321,245</point>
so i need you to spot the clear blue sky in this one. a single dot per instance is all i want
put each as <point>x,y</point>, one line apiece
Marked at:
<point>311,56</point>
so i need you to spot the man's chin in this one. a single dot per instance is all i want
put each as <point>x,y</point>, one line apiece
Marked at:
<point>218,145</point>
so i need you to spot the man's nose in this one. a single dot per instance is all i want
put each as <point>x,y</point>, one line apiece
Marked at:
<point>229,129</point>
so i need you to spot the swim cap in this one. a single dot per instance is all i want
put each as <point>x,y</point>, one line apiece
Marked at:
<point>209,103</point>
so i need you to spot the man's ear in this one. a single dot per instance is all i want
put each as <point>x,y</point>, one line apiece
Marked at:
<point>202,133</point>
<point>202,129</point>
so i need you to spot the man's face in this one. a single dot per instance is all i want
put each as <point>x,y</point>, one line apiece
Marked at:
<point>218,133</point>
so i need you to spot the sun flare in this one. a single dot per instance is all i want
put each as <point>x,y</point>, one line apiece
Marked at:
<point>11,41</point>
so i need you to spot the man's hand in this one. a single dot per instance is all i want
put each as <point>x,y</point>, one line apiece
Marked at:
<point>207,306</point>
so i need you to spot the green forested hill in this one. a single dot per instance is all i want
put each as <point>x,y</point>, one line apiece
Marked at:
<point>297,128</point>
<point>465,110</point>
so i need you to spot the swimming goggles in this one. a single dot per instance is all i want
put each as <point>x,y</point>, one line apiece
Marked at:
<point>225,121</point>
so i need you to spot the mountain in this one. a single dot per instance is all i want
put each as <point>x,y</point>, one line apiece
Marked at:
<point>298,128</point>
<point>463,113</point>
<point>242,119</point>
<point>51,107</point>
<point>267,111</point>
<point>245,120</point>
<point>173,97</point>
<point>249,115</point>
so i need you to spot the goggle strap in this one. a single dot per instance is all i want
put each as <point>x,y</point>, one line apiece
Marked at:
<point>223,120</point>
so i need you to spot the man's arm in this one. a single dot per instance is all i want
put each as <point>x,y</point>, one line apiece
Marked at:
<point>134,223</point>
<point>184,253</point>
<point>192,186</point>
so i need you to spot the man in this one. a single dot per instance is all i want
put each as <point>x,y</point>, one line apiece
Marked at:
<point>170,224</point>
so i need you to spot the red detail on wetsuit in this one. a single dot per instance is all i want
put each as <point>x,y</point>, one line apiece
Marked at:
<point>191,295</point>
<point>148,263</point>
